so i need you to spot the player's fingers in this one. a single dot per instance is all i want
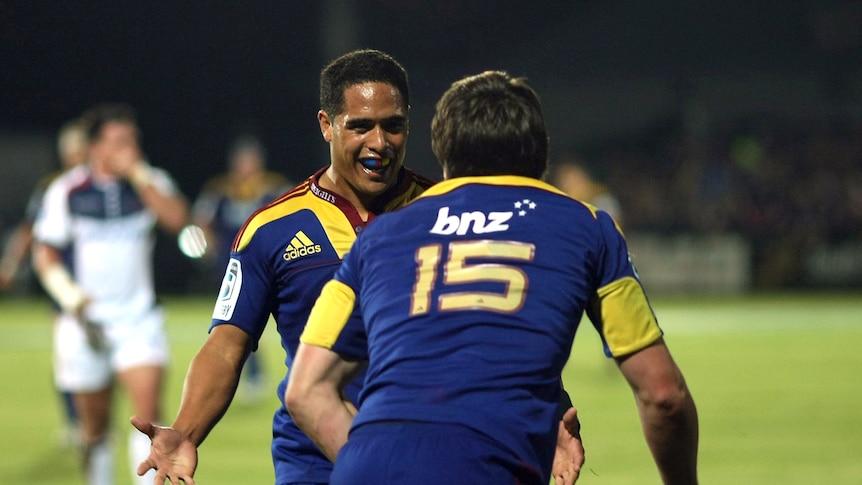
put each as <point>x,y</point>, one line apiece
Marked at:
<point>563,478</point>
<point>571,422</point>
<point>160,478</point>
<point>177,480</point>
<point>143,426</point>
<point>144,467</point>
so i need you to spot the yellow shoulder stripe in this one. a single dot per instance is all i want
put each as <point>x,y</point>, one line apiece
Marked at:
<point>628,322</point>
<point>329,315</point>
<point>275,210</point>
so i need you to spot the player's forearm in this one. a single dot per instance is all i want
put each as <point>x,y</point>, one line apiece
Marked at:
<point>314,396</point>
<point>667,411</point>
<point>57,280</point>
<point>209,387</point>
<point>323,416</point>
<point>670,426</point>
<point>172,211</point>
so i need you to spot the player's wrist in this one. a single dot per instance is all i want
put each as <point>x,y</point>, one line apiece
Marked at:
<point>141,175</point>
<point>564,402</point>
<point>63,289</point>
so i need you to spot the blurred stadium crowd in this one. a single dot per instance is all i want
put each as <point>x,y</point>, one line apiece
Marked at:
<point>791,188</point>
<point>788,187</point>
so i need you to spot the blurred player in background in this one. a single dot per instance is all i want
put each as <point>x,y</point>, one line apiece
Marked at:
<point>224,204</point>
<point>72,150</point>
<point>572,177</point>
<point>469,319</point>
<point>93,249</point>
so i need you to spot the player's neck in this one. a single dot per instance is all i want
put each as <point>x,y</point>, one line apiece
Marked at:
<point>326,182</point>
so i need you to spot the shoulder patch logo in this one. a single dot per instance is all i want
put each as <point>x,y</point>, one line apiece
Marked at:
<point>229,292</point>
<point>301,245</point>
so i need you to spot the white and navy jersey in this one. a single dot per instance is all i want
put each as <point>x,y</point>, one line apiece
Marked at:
<point>107,235</point>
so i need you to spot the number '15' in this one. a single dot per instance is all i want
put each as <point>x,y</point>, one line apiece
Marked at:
<point>458,270</point>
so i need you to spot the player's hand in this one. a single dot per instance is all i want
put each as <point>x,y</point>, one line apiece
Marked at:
<point>95,335</point>
<point>125,160</point>
<point>569,454</point>
<point>172,456</point>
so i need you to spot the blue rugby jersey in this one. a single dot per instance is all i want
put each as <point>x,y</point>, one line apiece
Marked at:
<point>279,262</point>
<point>470,299</point>
<point>225,207</point>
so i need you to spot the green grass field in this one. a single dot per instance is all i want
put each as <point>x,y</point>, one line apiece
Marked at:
<point>776,381</point>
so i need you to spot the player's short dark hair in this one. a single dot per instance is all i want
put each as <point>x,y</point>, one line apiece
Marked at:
<point>490,124</point>
<point>101,114</point>
<point>357,67</point>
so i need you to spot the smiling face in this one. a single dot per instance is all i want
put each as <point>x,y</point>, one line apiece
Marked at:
<point>367,142</point>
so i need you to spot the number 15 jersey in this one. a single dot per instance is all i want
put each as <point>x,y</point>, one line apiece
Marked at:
<point>470,299</point>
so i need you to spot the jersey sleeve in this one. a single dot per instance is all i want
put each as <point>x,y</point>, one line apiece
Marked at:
<point>34,203</point>
<point>335,321</point>
<point>246,296</point>
<point>619,309</point>
<point>163,182</point>
<point>53,222</point>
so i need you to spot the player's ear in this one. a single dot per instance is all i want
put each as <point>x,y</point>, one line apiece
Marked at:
<point>325,125</point>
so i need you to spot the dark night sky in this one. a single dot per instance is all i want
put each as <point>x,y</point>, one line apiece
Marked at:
<point>196,72</point>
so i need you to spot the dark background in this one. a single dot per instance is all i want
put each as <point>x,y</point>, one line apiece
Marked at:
<point>196,71</point>
<point>609,73</point>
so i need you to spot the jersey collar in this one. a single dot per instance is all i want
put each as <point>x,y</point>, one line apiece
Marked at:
<point>511,180</point>
<point>401,185</point>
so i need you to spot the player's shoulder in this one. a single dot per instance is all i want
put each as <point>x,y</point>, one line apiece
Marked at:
<point>509,194</point>
<point>163,180</point>
<point>69,180</point>
<point>293,207</point>
<point>45,181</point>
<point>420,181</point>
<point>217,184</point>
<point>410,186</point>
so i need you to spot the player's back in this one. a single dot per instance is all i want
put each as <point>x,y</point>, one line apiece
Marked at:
<point>501,269</point>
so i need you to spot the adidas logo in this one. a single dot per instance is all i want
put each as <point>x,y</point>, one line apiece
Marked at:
<point>301,245</point>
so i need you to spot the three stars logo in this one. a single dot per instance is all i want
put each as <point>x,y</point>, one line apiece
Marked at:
<point>522,206</point>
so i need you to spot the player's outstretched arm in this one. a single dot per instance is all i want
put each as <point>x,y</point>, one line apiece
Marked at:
<point>173,456</point>
<point>667,411</point>
<point>209,387</point>
<point>569,454</point>
<point>315,400</point>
